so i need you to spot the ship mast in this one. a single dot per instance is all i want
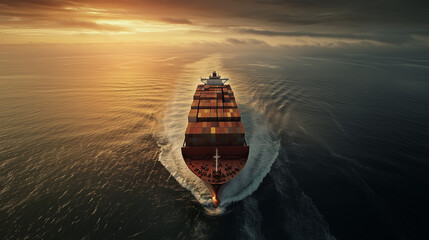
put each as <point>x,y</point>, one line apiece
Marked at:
<point>216,157</point>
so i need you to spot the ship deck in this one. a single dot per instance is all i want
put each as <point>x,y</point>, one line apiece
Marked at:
<point>201,161</point>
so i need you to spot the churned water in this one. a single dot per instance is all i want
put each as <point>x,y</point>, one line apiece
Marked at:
<point>90,143</point>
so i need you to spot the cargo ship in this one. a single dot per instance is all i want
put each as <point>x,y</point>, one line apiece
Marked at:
<point>215,148</point>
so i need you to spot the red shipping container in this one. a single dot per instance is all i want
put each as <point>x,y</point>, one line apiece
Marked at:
<point>195,104</point>
<point>197,95</point>
<point>231,104</point>
<point>229,115</point>
<point>207,115</point>
<point>226,98</point>
<point>192,116</point>
<point>208,104</point>
<point>208,96</point>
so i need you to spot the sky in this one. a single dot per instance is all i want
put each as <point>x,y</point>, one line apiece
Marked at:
<point>234,22</point>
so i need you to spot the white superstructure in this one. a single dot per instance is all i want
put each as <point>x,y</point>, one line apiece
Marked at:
<point>214,79</point>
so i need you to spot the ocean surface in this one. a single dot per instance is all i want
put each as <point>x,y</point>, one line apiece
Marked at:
<point>90,141</point>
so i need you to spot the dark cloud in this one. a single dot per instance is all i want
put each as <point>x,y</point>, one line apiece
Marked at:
<point>384,21</point>
<point>298,12</point>
<point>344,13</point>
<point>393,38</point>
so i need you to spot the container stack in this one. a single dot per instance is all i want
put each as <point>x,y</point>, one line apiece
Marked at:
<point>214,134</point>
<point>214,118</point>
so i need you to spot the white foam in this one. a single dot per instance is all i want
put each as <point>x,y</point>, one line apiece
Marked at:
<point>171,140</point>
<point>263,152</point>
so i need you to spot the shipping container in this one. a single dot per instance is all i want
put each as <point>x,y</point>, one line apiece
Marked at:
<point>197,95</point>
<point>207,115</point>
<point>192,116</point>
<point>208,104</point>
<point>222,136</point>
<point>230,104</point>
<point>214,118</point>
<point>226,98</point>
<point>195,104</point>
<point>208,96</point>
<point>228,115</point>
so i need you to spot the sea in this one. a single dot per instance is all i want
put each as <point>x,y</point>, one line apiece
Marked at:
<point>90,139</point>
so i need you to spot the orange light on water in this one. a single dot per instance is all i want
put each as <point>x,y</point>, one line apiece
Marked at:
<point>215,201</point>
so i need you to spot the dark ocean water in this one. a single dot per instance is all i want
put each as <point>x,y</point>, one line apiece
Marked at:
<point>90,146</point>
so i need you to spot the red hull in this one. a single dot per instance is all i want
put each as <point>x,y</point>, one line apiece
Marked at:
<point>200,161</point>
<point>214,147</point>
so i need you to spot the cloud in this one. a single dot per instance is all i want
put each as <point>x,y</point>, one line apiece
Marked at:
<point>247,41</point>
<point>176,20</point>
<point>392,37</point>
<point>383,21</point>
<point>90,25</point>
<point>46,14</point>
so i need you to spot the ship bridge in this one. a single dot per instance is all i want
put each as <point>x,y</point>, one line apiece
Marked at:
<point>214,79</point>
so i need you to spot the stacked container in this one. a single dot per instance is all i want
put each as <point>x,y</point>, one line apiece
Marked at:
<point>214,118</point>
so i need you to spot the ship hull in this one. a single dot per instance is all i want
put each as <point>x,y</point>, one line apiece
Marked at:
<point>199,161</point>
<point>215,149</point>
